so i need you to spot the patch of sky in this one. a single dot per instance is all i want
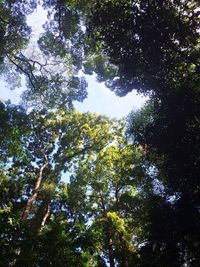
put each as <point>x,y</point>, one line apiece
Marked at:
<point>103,101</point>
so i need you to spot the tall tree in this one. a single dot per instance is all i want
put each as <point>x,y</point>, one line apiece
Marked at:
<point>33,201</point>
<point>105,184</point>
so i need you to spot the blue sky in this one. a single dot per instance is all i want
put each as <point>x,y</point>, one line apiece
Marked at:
<point>104,101</point>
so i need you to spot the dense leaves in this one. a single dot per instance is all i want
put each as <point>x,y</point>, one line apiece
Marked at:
<point>38,209</point>
<point>103,184</point>
<point>152,43</point>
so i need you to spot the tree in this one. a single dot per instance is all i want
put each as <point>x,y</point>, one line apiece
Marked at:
<point>33,200</point>
<point>50,65</point>
<point>13,28</point>
<point>15,35</point>
<point>152,43</point>
<point>177,203</point>
<point>104,185</point>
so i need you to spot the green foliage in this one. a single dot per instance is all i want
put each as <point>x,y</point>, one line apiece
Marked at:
<point>78,218</point>
<point>116,222</point>
<point>129,203</point>
<point>64,139</point>
<point>100,190</point>
<point>151,42</point>
<point>14,123</point>
<point>51,68</point>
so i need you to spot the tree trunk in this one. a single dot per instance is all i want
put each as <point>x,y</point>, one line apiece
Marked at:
<point>42,214</point>
<point>124,252</point>
<point>46,216</point>
<point>110,253</point>
<point>124,261</point>
<point>35,193</point>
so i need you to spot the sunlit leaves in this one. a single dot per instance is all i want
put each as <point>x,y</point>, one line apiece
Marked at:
<point>100,189</point>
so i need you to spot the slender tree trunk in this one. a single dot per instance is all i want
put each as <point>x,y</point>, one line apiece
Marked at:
<point>124,261</point>
<point>35,192</point>
<point>42,214</point>
<point>109,243</point>
<point>46,216</point>
<point>124,252</point>
<point>110,253</point>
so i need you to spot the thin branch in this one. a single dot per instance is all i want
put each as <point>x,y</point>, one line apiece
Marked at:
<point>23,71</point>
<point>4,21</point>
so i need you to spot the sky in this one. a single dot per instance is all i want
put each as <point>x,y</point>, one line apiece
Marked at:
<point>100,99</point>
<point>104,101</point>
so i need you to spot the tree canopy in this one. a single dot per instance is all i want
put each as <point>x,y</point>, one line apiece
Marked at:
<point>80,189</point>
